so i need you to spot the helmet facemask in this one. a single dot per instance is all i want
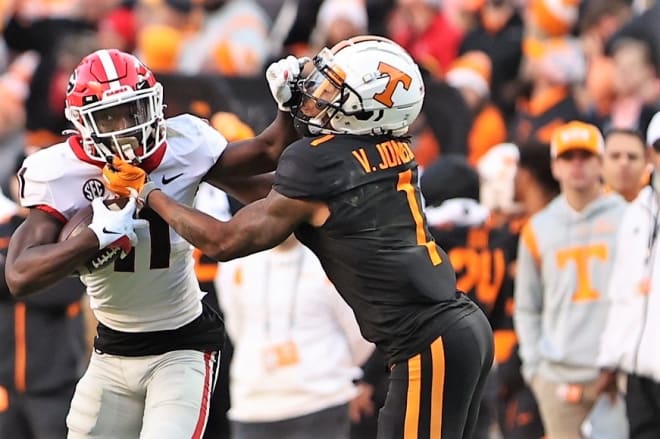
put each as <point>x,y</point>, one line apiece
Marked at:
<point>323,94</point>
<point>124,123</point>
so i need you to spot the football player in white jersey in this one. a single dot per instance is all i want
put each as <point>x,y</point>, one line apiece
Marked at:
<point>155,353</point>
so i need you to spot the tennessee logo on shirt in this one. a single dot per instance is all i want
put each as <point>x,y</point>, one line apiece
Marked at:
<point>579,256</point>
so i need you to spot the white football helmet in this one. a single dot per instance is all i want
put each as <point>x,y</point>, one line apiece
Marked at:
<point>363,85</point>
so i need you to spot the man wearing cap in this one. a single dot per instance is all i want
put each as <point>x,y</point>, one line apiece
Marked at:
<point>629,341</point>
<point>565,255</point>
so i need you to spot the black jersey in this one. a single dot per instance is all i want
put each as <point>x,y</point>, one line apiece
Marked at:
<point>375,247</point>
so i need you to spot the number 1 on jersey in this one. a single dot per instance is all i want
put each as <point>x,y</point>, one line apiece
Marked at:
<point>405,185</point>
<point>159,233</point>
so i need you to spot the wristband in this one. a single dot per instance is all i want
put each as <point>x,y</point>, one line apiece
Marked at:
<point>146,190</point>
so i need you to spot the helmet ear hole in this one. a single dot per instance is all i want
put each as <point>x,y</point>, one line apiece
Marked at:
<point>364,115</point>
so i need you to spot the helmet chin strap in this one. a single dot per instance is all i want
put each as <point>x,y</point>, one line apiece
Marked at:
<point>107,154</point>
<point>127,146</point>
<point>125,149</point>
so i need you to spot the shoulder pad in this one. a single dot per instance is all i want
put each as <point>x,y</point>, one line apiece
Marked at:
<point>49,163</point>
<point>193,128</point>
<point>185,124</point>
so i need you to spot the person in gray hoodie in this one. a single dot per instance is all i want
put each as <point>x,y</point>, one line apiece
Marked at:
<point>565,257</point>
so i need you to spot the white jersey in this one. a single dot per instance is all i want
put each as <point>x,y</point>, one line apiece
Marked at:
<point>154,288</point>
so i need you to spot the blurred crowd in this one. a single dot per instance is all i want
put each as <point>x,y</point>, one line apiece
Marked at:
<point>538,109</point>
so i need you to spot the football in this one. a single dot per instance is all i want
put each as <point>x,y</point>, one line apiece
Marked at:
<point>79,222</point>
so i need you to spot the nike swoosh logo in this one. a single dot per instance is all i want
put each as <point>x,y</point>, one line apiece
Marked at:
<point>166,180</point>
<point>110,232</point>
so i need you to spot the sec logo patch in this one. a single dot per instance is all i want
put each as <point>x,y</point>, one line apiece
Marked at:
<point>93,188</point>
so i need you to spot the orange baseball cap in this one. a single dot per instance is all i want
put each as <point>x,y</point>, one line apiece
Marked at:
<point>576,135</point>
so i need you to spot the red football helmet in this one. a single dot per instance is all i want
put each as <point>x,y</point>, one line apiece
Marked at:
<point>116,104</point>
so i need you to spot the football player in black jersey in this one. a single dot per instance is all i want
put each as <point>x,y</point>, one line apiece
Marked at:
<point>348,189</point>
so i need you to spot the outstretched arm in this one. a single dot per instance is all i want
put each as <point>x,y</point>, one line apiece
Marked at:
<point>257,155</point>
<point>260,154</point>
<point>256,227</point>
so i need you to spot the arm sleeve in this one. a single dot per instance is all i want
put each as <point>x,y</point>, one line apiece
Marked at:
<point>528,304</point>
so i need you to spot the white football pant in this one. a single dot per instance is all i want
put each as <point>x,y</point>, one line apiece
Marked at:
<point>154,397</point>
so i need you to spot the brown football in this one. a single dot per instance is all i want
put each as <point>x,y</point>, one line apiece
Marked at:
<point>78,222</point>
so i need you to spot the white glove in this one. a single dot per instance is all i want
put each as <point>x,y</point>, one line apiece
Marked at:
<point>114,228</point>
<point>282,76</point>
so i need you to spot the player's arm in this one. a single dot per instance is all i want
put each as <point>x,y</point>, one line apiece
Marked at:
<point>247,189</point>
<point>254,156</point>
<point>256,227</point>
<point>36,260</point>
<point>260,154</point>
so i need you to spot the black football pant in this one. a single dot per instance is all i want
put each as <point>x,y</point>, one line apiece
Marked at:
<point>436,393</point>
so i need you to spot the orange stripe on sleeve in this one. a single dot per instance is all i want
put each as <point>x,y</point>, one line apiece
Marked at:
<point>528,237</point>
<point>323,139</point>
<point>437,386</point>
<point>411,424</point>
